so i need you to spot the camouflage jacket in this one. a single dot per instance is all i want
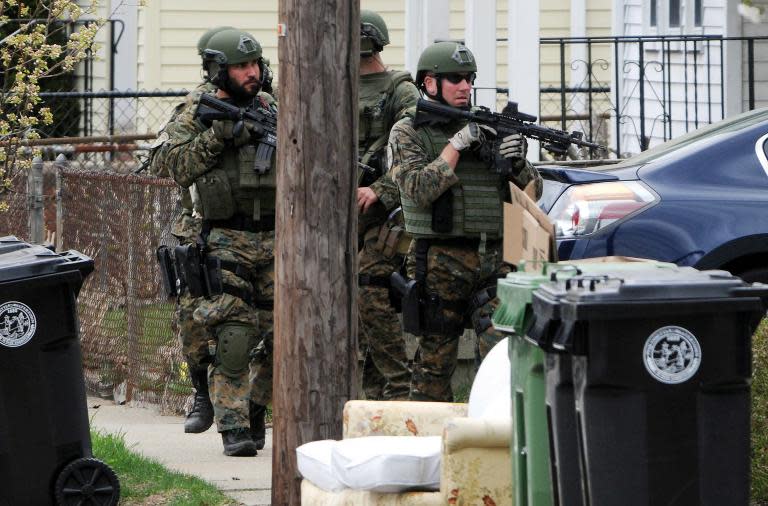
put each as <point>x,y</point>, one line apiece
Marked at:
<point>422,179</point>
<point>402,99</point>
<point>186,227</point>
<point>191,149</point>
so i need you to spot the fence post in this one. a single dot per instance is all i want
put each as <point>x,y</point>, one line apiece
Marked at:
<point>35,201</point>
<point>61,163</point>
<point>132,309</point>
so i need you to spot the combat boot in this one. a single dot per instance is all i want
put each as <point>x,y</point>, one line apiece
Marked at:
<point>258,424</point>
<point>200,417</point>
<point>238,443</point>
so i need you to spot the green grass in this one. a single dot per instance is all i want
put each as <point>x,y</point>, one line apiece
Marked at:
<point>760,415</point>
<point>156,329</point>
<point>145,481</point>
<point>461,393</point>
<point>156,332</point>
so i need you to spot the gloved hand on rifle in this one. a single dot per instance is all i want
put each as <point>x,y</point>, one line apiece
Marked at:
<point>513,147</point>
<point>471,135</point>
<point>231,133</point>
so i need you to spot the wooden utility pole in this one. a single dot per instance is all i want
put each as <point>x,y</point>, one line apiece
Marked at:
<point>315,353</point>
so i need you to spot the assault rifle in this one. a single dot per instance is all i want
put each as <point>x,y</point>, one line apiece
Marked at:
<point>367,175</point>
<point>508,121</point>
<point>262,126</point>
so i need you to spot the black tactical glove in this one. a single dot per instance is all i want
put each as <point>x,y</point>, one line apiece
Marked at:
<point>232,133</point>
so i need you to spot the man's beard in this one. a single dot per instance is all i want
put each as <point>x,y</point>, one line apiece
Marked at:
<point>242,93</point>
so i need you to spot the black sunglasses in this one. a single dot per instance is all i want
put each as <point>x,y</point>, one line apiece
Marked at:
<point>456,78</point>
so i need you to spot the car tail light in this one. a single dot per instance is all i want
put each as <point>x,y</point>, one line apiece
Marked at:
<point>584,209</point>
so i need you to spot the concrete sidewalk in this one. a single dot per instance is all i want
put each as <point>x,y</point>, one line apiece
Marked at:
<point>246,479</point>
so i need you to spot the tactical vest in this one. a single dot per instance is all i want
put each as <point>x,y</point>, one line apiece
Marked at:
<point>477,197</point>
<point>236,188</point>
<point>376,115</point>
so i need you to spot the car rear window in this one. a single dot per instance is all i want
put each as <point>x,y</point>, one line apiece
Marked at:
<point>733,124</point>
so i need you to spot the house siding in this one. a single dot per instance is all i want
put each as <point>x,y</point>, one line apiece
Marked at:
<point>168,31</point>
<point>688,107</point>
<point>760,60</point>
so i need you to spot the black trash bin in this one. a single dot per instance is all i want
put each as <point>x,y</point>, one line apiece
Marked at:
<point>559,397</point>
<point>661,368</point>
<point>45,444</point>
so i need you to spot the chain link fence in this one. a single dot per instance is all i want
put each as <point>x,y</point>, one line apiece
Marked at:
<point>109,130</point>
<point>129,345</point>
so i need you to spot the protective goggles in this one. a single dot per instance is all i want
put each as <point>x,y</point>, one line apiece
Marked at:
<point>456,78</point>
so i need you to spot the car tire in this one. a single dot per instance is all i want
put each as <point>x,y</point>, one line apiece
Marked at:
<point>756,275</point>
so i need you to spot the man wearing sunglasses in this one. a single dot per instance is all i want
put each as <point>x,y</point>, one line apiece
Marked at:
<point>452,195</point>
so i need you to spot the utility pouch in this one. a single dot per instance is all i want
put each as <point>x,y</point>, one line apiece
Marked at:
<point>391,239</point>
<point>409,290</point>
<point>246,157</point>
<point>201,274</point>
<point>442,213</point>
<point>167,271</point>
<point>254,162</point>
<point>215,193</point>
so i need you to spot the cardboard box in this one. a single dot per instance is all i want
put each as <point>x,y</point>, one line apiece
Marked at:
<point>529,234</point>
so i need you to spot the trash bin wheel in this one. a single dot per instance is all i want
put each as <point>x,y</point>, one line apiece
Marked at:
<point>87,481</point>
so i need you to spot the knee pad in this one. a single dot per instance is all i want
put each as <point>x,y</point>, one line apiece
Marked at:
<point>235,341</point>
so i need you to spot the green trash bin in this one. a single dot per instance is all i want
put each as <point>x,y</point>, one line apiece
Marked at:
<point>530,447</point>
<point>530,443</point>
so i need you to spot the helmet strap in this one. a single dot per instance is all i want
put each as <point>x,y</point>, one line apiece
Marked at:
<point>439,95</point>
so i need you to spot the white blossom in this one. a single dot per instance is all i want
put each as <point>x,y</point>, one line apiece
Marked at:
<point>750,12</point>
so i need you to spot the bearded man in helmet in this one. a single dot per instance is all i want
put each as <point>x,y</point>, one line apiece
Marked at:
<point>236,207</point>
<point>452,198</point>
<point>192,336</point>
<point>384,98</point>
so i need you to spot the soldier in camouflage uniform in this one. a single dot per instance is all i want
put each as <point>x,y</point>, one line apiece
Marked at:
<point>384,98</point>
<point>452,194</point>
<point>193,336</point>
<point>236,203</point>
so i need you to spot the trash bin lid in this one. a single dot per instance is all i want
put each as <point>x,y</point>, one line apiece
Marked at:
<point>514,293</point>
<point>20,260</point>
<point>515,290</point>
<point>622,282</point>
<point>657,284</point>
<point>657,292</point>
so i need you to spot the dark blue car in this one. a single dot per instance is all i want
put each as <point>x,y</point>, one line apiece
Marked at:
<point>700,200</point>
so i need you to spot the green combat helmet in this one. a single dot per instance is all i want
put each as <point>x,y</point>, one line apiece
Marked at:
<point>229,47</point>
<point>445,57</point>
<point>267,77</point>
<point>202,42</point>
<point>373,33</point>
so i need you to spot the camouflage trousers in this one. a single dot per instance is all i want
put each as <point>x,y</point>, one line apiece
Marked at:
<point>385,368</point>
<point>193,336</point>
<point>253,251</point>
<point>456,270</point>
